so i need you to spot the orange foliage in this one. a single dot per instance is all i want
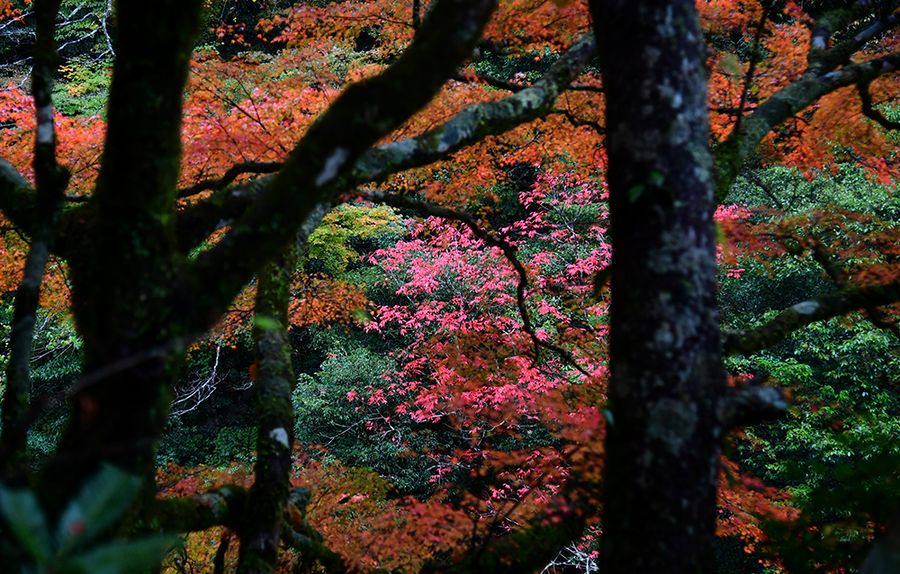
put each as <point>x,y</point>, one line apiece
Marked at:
<point>319,300</point>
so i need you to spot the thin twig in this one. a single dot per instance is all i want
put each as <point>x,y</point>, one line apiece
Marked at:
<point>233,172</point>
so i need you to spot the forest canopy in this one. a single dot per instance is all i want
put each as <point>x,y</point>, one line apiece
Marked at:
<point>450,286</point>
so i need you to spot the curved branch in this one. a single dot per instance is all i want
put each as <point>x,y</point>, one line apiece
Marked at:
<point>802,314</point>
<point>478,121</point>
<point>784,104</point>
<point>465,128</point>
<point>221,507</point>
<point>871,111</point>
<point>18,200</point>
<point>229,176</point>
<point>318,165</point>
<point>821,59</point>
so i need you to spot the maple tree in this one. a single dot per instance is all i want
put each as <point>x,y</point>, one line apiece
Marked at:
<point>518,308</point>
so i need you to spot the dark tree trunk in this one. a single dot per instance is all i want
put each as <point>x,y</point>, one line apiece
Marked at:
<point>416,14</point>
<point>663,443</point>
<point>125,270</point>
<point>261,528</point>
<point>51,181</point>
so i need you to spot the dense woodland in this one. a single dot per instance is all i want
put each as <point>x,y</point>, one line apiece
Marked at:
<point>450,286</point>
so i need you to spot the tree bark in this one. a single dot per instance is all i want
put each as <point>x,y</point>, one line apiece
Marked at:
<point>665,360</point>
<point>51,181</point>
<point>126,263</point>
<point>260,531</point>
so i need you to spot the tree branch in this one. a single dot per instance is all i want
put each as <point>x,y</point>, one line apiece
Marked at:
<point>821,58</point>
<point>221,507</point>
<point>468,126</point>
<point>784,104</point>
<point>317,168</point>
<point>870,111</point>
<point>51,182</point>
<point>478,121</point>
<point>300,535</point>
<point>226,506</point>
<point>802,314</point>
<point>229,176</point>
<point>754,60</point>
<point>18,199</point>
<point>260,530</point>
<point>751,403</point>
<point>836,274</point>
<point>580,122</point>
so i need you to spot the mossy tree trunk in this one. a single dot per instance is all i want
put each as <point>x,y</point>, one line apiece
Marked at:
<point>261,527</point>
<point>663,441</point>
<point>138,299</point>
<point>51,181</point>
<point>125,269</point>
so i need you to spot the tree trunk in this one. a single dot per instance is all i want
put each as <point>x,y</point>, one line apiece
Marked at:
<point>261,527</point>
<point>128,295</point>
<point>663,441</point>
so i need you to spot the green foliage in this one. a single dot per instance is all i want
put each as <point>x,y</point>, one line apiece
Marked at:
<point>67,548</point>
<point>524,68</point>
<point>233,444</point>
<point>849,188</point>
<point>837,452</point>
<point>55,364</point>
<point>328,414</point>
<point>83,88</point>
<point>336,243</point>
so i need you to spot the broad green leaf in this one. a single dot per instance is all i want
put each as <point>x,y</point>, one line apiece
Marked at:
<point>25,518</point>
<point>102,501</point>
<point>127,557</point>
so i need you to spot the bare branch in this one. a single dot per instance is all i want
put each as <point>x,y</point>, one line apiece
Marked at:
<point>870,111</point>
<point>198,390</point>
<point>580,122</point>
<point>754,60</point>
<point>229,176</point>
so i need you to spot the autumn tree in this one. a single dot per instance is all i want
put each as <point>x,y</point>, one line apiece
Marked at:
<point>157,251</point>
